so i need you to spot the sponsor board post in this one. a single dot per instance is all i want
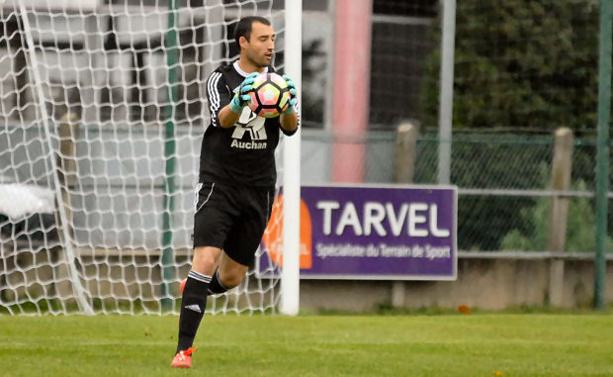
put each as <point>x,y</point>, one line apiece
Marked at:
<point>378,232</point>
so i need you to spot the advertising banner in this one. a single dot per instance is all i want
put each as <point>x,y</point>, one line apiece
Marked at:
<point>371,232</point>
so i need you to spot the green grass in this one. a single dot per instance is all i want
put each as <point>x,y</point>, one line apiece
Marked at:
<point>409,345</point>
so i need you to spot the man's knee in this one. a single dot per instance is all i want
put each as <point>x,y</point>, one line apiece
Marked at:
<point>231,279</point>
<point>205,259</point>
<point>231,273</point>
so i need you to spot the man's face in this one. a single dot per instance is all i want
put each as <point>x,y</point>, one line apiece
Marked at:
<point>261,45</point>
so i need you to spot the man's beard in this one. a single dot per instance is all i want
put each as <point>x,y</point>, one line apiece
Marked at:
<point>257,63</point>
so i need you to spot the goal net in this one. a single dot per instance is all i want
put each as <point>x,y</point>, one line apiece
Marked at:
<point>103,109</point>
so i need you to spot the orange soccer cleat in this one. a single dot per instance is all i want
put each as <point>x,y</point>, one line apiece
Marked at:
<point>183,359</point>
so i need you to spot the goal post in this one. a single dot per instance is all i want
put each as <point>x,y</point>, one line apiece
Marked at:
<point>61,208</point>
<point>172,57</point>
<point>290,278</point>
<point>93,220</point>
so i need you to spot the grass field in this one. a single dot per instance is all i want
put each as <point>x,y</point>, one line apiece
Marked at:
<point>408,345</point>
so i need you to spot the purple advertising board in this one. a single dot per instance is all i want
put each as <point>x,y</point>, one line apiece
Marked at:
<point>395,232</point>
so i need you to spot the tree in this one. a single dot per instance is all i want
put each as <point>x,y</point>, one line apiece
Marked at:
<point>580,232</point>
<point>520,63</point>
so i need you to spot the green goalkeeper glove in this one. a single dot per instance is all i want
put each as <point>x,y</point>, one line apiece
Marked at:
<point>292,93</point>
<point>242,95</point>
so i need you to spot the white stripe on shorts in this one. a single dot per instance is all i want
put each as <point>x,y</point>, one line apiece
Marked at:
<point>207,197</point>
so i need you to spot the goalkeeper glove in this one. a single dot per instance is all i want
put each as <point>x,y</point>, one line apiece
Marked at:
<point>292,93</point>
<point>242,95</point>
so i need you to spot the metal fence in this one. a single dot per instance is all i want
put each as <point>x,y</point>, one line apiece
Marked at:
<point>504,183</point>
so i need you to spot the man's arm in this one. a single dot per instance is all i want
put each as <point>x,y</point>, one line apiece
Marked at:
<point>230,113</point>
<point>289,122</point>
<point>289,118</point>
<point>227,117</point>
<point>225,110</point>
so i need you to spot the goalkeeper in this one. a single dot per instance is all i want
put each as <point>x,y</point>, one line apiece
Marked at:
<point>237,179</point>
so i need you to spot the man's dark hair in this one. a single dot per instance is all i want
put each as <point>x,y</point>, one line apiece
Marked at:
<point>243,28</point>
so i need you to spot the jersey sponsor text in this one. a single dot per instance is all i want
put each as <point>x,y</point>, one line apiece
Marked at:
<point>248,144</point>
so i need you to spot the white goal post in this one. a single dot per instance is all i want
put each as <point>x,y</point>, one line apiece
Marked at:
<point>99,151</point>
<point>290,278</point>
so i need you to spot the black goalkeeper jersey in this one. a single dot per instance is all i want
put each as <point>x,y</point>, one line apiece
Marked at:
<point>244,153</point>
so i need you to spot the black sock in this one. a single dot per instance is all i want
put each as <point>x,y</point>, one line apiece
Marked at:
<point>193,305</point>
<point>216,287</point>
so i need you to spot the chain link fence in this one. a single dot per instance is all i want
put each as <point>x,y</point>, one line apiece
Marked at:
<point>504,182</point>
<point>522,70</point>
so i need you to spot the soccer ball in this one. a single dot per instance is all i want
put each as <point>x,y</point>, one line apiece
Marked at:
<point>270,95</point>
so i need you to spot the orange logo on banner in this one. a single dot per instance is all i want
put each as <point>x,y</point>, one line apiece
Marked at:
<point>273,237</point>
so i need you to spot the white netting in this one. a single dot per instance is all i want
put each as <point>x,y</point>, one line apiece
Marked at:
<point>88,115</point>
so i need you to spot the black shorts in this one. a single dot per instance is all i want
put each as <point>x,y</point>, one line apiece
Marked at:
<point>232,218</point>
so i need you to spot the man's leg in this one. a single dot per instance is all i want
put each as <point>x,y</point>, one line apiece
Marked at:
<point>193,302</point>
<point>228,275</point>
<point>243,239</point>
